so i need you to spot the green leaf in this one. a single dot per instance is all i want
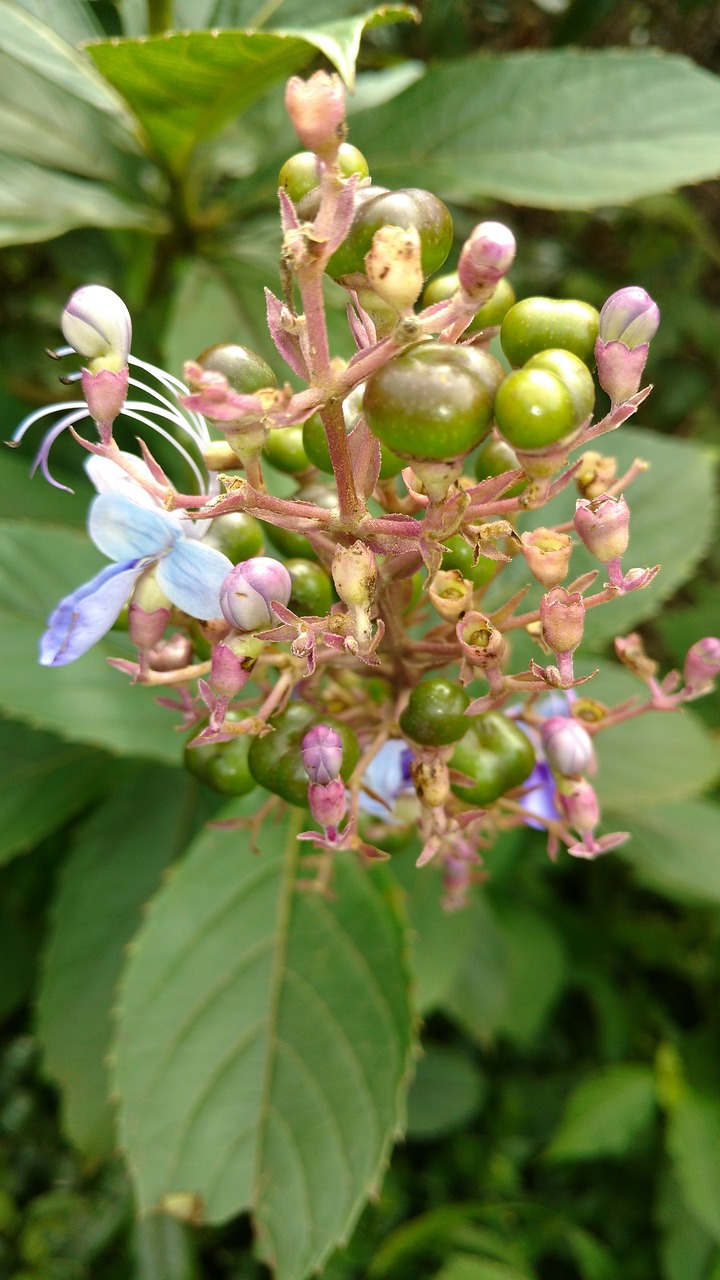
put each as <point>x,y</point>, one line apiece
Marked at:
<point>221,73</point>
<point>441,941</point>
<point>72,20</point>
<point>446,1093</point>
<point>605,1114</point>
<point>693,1142</point>
<point>466,1266</point>
<point>565,129</point>
<point>86,701</point>
<point>684,1247</point>
<point>536,973</point>
<point>116,864</point>
<point>163,1249</point>
<point>43,782</point>
<point>263,1046</point>
<point>21,499</point>
<point>478,996</point>
<point>674,848</point>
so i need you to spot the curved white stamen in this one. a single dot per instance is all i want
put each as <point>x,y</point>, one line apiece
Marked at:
<point>41,457</point>
<point>176,387</point>
<point>129,411</point>
<point>32,418</point>
<point>200,437</point>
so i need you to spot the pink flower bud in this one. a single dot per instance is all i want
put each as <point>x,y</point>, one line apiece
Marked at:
<point>328,803</point>
<point>568,747</point>
<point>322,753</point>
<point>578,803</point>
<point>96,323</point>
<point>105,393</point>
<point>562,614</point>
<point>227,673</point>
<point>702,664</point>
<point>548,555</point>
<point>249,589</point>
<point>487,254</point>
<point>316,108</point>
<point>629,316</point>
<point>603,525</point>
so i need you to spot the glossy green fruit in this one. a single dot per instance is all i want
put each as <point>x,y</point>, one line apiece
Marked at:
<point>284,450</point>
<point>494,459</point>
<point>299,174</point>
<point>276,760</point>
<point>458,555</point>
<point>573,373</point>
<point>222,765</point>
<point>238,535</point>
<point>533,409</point>
<point>312,591</point>
<point>496,754</point>
<point>410,207</point>
<point>435,714</point>
<point>316,447</point>
<point>534,324</point>
<point>491,313</point>
<point>433,401</point>
<point>244,369</point>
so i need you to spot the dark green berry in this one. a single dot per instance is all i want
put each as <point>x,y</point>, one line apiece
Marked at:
<point>276,760</point>
<point>435,713</point>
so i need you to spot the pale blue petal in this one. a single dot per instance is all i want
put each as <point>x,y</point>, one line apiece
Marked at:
<point>83,617</point>
<point>122,530</point>
<point>539,796</point>
<point>388,774</point>
<point>191,576</point>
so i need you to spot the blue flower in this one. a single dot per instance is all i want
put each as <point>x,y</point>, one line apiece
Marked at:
<point>388,775</point>
<point>135,537</point>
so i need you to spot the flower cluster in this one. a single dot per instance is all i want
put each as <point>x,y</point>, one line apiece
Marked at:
<point>367,602</point>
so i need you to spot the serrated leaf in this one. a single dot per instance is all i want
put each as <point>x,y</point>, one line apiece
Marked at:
<point>674,848</point>
<point>565,129</point>
<point>115,865</point>
<point>43,783</point>
<point>86,701</point>
<point>72,20</point>
<point>693,1143</point>
<point>263,1044</point>
<point>221,73</point>
<point>605,1114</point>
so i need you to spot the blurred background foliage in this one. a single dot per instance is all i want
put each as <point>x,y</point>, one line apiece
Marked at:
<point>565,1120</point>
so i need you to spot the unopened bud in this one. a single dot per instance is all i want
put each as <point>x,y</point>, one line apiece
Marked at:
<point>393,266</point>
<point>316,108</point>
<point>548,555</point>
<point>562,614</point>
<point>702,664</point>
<point>249,589</point>
<point>578,803</point>
<point>96,323</point>
<point>328,802</point>
<point>354,572</point>
<point>227,673</point>
<point>171,654</point>
<point>322,753</point>
<point>628,320</point>
<point>487,254</point>
<point>603,525</point>
<point>568,747</point>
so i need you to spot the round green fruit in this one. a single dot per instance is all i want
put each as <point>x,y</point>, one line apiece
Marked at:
<point>490,314</point>
<point>410,207</point>
<point>276,760</point>
<point>244,369</point>
<point>435,714</point>
<point>433,401</point>
<point>573,373</point>
<point>222,765</point>
<point>284,450</point>
<point>534,409</point>
<point>299,174</point>
<point>459,555</point>
<point>535,324</point>
<point>238,535</point>
<point>496,755</point>
<point>312,592</point>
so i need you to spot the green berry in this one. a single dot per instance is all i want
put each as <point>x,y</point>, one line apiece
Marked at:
<point>244,369</point>
<point>299,174</point>
<point>435,714</point>
<point>222,765</point>
<point>535,324</point>
<point>573,373</point>
<point>238,535</point>
<point>276,760</point>
<point>491,313</point>
<point>459,555</point>
<point>411,207</point>
<point>284,450</point>
<point>312,591</point>
<point>496,755</point>
<point>433,401</point>
<point>494,459</point>
<point>533,409</point>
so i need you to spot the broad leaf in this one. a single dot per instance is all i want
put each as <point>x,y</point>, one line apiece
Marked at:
<point>263,1046</point>
<point>441,941</point>
<point>23,499</point>
<point>467,1266</point>
<point>86,701</point>
<point>221,74</point>
<point>561,129</point>
<point>446,1093</point>
<point>693,1141</point>
<point>479,993</point>
<point>116,864</point>
<point>536,973</point>
<point>674,848</point>
<point>72,20</point>
<point>605,1114</point>
<point>43,782</point>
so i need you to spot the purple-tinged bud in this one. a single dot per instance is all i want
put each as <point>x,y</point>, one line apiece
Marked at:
<point>487,254</point>
<point>172,654</point>
<point>568,747</point>
<point>562,615</point>
<point>578,803</point>
<point>354,572</point>
<point>548,555</point>
<point>393,266</point>
<point>322,753</point>
<point>328,803</point>
<point>628,320</point>
<point>629,316</point>
<point>227,673</point>
<point>105,393</point>
<point>603,525</point>
<point>702,664</point>
<point>96,323</point>
<point>316,108</point>
<point>249,589</point>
